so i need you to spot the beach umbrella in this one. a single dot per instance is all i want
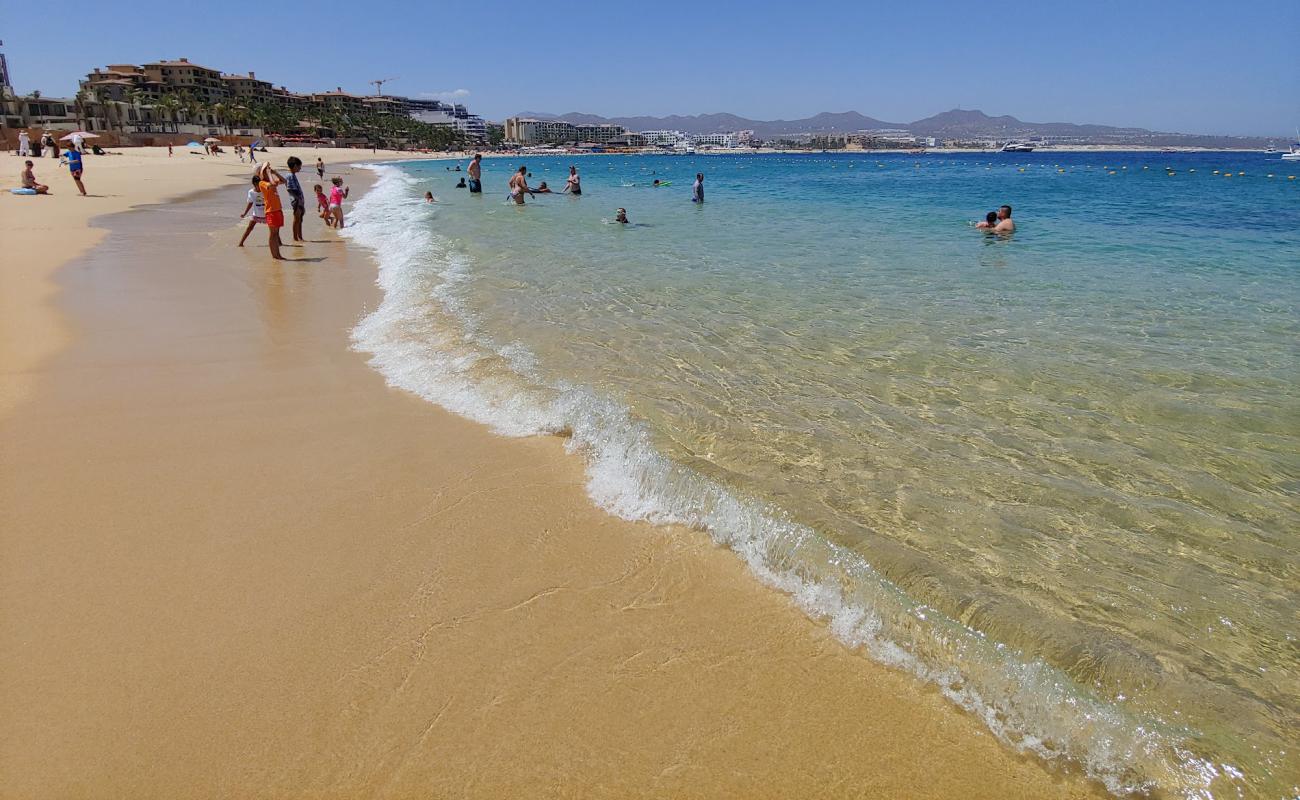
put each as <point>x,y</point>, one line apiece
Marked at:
<point>82,134</point>
<point>193,144</point>
<point>212,139</point>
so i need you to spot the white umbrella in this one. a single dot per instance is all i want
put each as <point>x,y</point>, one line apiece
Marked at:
<point>212,139</point>
<point>82,134</point>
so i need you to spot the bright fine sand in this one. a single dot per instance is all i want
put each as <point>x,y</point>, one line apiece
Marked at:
<point>236,564</point>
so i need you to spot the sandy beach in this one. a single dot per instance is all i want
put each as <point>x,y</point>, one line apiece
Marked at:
<point>237,564</point>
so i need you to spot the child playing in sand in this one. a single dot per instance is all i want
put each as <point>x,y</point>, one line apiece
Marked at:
<point>323,206</point>
<point>255,204</point>
<point>338,193</point>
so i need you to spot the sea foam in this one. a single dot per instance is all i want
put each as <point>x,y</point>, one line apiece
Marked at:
<point>424,339</point>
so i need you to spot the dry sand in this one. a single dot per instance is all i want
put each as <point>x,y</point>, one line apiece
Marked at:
<point>236,564</point>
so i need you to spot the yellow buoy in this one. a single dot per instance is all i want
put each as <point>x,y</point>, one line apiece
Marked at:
<point>1112,172</point>
<point>1290,177</point>
<point>1022,169</point>
<point>1060,170</point>
<point>1171,173</point>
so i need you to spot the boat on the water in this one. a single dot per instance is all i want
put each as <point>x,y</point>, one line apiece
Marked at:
<point>1294,155</point>
<point>1017,147</point>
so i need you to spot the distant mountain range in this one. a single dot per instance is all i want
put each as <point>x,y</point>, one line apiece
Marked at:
<point>955,124</point>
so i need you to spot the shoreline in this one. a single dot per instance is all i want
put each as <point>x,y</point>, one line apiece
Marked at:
<point>278,562</point>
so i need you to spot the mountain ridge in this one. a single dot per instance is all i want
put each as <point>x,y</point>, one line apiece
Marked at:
<point>955,123</point>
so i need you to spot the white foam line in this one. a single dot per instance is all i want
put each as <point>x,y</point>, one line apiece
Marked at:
<point>423,339</point>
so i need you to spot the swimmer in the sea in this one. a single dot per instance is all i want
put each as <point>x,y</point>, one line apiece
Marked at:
<point>621,216</point>
<point>990,221</point>
<point>428,197</point>
<point>543,189</point>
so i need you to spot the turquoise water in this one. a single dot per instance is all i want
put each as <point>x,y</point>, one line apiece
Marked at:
<point>1055,474</point>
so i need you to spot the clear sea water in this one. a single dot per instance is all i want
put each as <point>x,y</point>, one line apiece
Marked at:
<point>1055,474</point>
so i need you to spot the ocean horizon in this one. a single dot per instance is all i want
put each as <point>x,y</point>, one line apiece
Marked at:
<point>1052,474</point>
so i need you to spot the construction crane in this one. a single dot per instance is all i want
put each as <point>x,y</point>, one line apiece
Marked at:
<point>379,85</point>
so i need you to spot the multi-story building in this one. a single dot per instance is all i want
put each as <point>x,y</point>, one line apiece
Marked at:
<point>664,138</point>
<point>526,131</point>
<point>247,89</point>
<point>384,104</point>
<point>714,140</point>
<point>183,76</point>
<point>340,101</point>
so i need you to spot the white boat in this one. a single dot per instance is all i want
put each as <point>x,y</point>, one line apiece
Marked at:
<point>1017,147</point>
<point>1294,155</point>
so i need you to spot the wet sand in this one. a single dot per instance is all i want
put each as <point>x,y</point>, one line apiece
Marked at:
<point>236,564</point>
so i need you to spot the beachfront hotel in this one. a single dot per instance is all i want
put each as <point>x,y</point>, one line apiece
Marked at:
<point>172,101</point>
<point>526,132</point>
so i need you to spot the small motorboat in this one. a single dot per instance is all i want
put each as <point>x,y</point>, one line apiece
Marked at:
<point>1017,147</point>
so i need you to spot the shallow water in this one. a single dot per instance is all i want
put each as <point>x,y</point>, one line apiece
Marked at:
<point>1055,474</point>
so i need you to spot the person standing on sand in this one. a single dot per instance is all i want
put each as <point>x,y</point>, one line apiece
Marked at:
<point>476,174</point>
<point>297,201</point>
<point>320,169</point>
<point>697,191</point>
<point>270,188</point>
<point>338,193</point>
<point>24,144</point>
<point>73,158</point>
<point>1005,223</point>
<point>574,186</point>
<point>29,181</point>
<point>256,205</point>
<point>169,151</point>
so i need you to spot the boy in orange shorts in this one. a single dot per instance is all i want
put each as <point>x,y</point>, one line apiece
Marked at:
<point>269,184</point>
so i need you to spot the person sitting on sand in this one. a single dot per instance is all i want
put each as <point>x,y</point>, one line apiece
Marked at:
<point>621,216</point>
<point>29,180</point>
<point>255,204</point>
<point>1005,224</point>
<point>990,221</point>
<point>462,184</point>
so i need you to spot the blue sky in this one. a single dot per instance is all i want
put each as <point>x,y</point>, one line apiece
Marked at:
<point>1193,65</point>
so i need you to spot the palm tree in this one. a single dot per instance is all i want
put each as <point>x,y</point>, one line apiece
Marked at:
<point>221,111</point>
<point>169,104</point>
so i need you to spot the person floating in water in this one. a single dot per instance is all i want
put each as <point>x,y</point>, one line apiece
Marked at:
<point>429,198</point>
<point>543,189</point>
<point>990,221</point>
<point>461,185</point>
<point>697,191</point>
<point>621,216</point>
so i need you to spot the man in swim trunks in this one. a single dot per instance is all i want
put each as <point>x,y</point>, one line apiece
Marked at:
<point>269,184</point>
<point>476,174</point>
<point>574,186</point>
<point>519,186</point>
<point>697,191</point>
<point>1005,223</point>
<point>73,157</point>
<point>29,181</point>
<point>297,201</point>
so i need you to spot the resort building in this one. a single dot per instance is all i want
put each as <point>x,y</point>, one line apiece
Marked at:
<point>340,100</point>
<point>664,138</point>
<point>526,131</point>
<point>247,89</point>
<point>181,75</point>
<point>727,140</point>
